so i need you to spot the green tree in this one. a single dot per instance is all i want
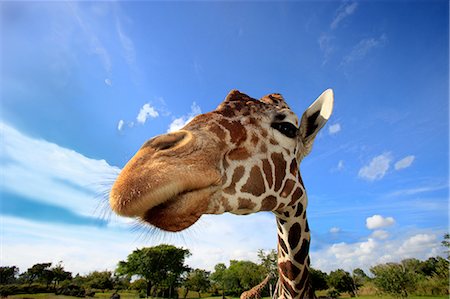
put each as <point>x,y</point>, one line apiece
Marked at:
<point>197,281</point>
<point>219,277</point>
<point>243,275</point>
<point>37,272</point>
<point>101,280</point>
<point>446,243</point>
<point>8,274</point>
<point>157,265</point>
<point>342,282</point>
<point>393,279</point>
<point>59,274</point>
<point>318,279</point>
<point>269,261</point>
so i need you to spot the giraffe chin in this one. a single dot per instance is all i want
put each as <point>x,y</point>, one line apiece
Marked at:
<point>181,211</point>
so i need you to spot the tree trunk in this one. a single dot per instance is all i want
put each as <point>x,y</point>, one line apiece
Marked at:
<point>199,295</point>
<point>149,288</point>
<point>186,291</point>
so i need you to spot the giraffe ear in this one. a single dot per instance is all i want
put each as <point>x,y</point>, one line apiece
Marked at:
<point>315,117</point>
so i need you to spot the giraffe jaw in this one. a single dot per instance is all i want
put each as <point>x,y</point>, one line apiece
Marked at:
<point>182,210</point>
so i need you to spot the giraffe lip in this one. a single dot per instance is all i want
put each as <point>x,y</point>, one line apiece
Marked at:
<point>180,211</point>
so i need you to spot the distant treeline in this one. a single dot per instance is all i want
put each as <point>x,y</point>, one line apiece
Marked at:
<point>160,271</point>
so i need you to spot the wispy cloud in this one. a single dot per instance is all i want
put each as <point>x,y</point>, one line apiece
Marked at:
<point>326,45</point>
<point>377,168</point>
<point>94,42</point>
<point>180,122</point>
<point>418,190</point>
<point>404,163</point>
<point>335,230</point>
<point>120,125</point>
<point>378,221</point>
<point>344,11</point>
<point>362,49</point>
<point>335,128</point>
<point>54,175</point>
<point>146,111</point>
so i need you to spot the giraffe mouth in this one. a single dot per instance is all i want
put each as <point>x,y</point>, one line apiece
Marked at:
<point>180,211</point>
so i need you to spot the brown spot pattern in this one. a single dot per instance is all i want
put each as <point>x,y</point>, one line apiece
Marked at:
<point>280,169</point>
<point>237,175</point>
<point>255,183</point>
<point>282,244</point>
<point>289,270</point>
<point>267,168</point>
<point>288,287</point>
<point>237,131</point>
<point>245,204</point>
<point>254,139</point>
<point>239,153</point>
<point>303,279</point>
<point>218,131</point>
<point>294,167</point>
<point>263,148</point>
<point>294,235</point>
<point>299,209</point>
<point>268,203</point>
<point>288,186</point>
<point>296,195</point>
<point>301,255</point>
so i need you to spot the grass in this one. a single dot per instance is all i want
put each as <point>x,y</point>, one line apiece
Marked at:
<point>134,295</point>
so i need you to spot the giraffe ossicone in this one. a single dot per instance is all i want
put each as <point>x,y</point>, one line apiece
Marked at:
<point>241,158</point>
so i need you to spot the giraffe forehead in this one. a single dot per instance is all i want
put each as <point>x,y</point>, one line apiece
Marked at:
<point>240,104</point>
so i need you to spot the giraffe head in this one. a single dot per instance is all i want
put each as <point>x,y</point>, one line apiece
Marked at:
<point>241,158</point>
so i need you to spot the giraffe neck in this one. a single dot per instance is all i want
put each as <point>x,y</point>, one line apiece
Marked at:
<point>293,249</point>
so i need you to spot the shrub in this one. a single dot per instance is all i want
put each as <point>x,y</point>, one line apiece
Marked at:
<point>333,293</point>
<point>432,286</point>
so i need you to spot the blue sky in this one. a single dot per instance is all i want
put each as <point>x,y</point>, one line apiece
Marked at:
<point>84,84</point>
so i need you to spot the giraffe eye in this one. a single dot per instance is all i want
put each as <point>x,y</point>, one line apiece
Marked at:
<point>286,129</point>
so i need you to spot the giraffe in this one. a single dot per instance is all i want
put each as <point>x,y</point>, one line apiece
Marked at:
<point>241,158</point>
<point>255,292</point>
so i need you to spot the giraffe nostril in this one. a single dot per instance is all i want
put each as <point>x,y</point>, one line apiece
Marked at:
<point>165,142</point>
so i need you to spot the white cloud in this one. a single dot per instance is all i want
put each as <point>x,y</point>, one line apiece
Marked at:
<point>372,251</point>
<point>377,168</point>
<point>120,125</point>
<point>378,221</point>
<point>333,129</point>
<point>180,122</point>
<point>380,234</point>
<point>335,230</point>
<point>344,11</point>
<point>108,82</point>
<point>404,163</point>
<point>417,244</point>
<point>326,46</point>
<point>44,171</point>
<point>146,112</point>
<point>364,46</point>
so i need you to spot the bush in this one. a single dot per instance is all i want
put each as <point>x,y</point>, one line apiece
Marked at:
<point>71,290</point>
<point>142,294</point>
<point>432,286</point>
<point>14,289</point>
<point>333,293</point>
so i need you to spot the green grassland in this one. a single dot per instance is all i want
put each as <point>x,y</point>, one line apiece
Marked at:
<point>191,295</point>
